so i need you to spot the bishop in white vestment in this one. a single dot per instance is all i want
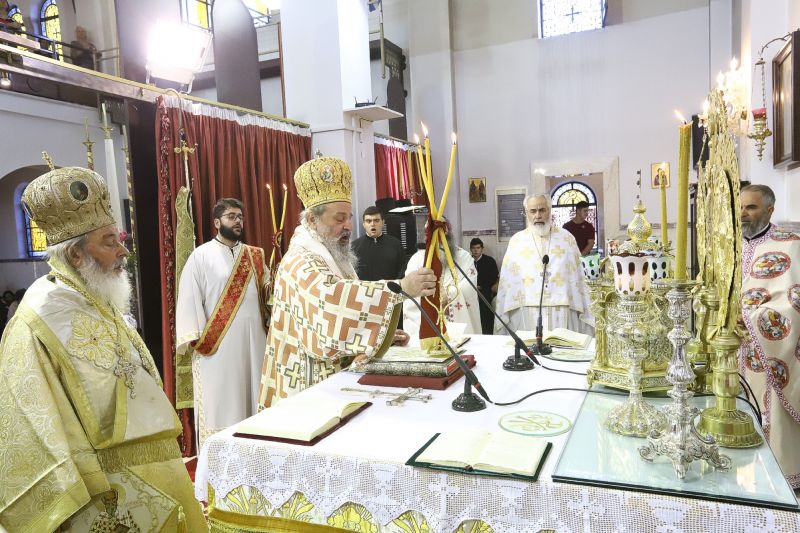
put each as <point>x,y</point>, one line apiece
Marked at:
<point>565,302</point>
<point>220,316</point>
<point>464,308</point>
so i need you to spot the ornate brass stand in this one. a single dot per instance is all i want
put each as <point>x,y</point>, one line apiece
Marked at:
<point>730,427</point>
<point>635,417</point>
<point>681,442</point>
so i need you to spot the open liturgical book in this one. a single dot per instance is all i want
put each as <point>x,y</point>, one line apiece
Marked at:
<point>499,453</point>
<point>304,418</point>
<point>559,337</point>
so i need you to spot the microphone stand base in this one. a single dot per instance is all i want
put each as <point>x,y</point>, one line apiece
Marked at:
<point>517,364</point>
<point>544,349</point>
<point>468,402</point>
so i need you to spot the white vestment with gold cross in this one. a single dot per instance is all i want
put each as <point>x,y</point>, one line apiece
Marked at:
<point>565,302</point>
<point>322,316</point>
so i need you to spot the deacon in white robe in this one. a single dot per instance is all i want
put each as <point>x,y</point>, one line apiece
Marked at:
<point>220,316</point>
<point>565,302</point>
<point>464,308</point>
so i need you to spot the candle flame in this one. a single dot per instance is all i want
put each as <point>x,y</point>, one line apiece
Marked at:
<point>734,63</point>
<point>284,187</point>
<point>268,187</point>
<point>706,105</point>
<point>424,130</point>
<point>720,79</point>
<point>680,116</point>
<point>416,138</point>
<point>454,137</point>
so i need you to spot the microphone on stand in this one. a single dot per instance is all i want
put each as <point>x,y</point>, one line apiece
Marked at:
<point>514,362</point>
<point>542,348</point>
<point>467,401</point>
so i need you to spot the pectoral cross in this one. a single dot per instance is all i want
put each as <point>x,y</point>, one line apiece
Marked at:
<point>396,398</point>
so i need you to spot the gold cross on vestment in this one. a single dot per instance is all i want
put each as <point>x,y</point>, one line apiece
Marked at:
<point>557,251</point>
<point>356,345</point>
<point>295,375</point>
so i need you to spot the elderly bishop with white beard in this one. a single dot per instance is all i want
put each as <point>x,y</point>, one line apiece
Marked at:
<point>323,317</point>
<point>565,302</point>
<point>86,431</point>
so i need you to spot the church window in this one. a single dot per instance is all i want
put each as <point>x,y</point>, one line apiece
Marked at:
<point>197,13</point>
<point>565,196</point>
<point>51,25</point>
<point>15,15</point>
<point>32,237</point>
<point>559,17</point>
<point>259,10</point>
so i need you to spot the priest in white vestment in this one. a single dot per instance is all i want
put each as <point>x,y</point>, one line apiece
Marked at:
<point>220,315</point>
<point>465,307</point>
<point>323,317</point>
<point>565,302</point>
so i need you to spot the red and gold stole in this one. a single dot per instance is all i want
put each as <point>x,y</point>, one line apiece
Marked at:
<point>249,262</point>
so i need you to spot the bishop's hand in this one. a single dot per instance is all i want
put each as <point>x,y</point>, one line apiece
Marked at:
<point>421,282</point>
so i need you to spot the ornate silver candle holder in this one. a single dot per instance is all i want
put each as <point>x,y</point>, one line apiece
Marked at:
<point>680,441</point>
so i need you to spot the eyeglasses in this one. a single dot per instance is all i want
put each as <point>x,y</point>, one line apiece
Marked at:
<point>231,216</point>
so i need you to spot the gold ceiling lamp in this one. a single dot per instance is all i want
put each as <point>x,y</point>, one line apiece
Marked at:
<point>722,263</point>
<point>760,125</point>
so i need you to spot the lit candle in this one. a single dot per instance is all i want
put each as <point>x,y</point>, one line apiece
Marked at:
<point>682,225</point>
<point>272,209</point>
<point>663,187</point>
<point>426,165</point>
<point>105,117</point>
<point>283,208</point>
<point>86,127</point>
<point>410,165</point>
<point>449,175</point>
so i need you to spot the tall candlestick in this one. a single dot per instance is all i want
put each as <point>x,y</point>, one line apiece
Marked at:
<point>449,175</point>
<point>283,207</point>
<point>664,235</point>
<point>272,209</point>
<point>682,226</point>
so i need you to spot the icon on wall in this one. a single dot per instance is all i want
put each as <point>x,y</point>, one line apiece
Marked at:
<point>477,190</point>
<point>659,172</point>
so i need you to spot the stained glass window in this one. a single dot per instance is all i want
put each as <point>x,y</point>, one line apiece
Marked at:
<point>15,15</point>
<point>565,196</point>
<point>51,25</point>
<point>558,17</point>
<point>31,235</point>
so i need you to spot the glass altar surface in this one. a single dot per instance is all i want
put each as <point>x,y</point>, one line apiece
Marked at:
<point>595,456</point>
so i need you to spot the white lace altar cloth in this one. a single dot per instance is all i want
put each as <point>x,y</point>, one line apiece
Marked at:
<point>363,463</point>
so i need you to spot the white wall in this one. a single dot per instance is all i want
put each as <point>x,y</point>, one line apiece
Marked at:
<point>596,94</point>
<point>40,124</point>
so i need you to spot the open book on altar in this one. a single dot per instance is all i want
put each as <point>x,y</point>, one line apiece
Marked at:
<point>558,337</point>
<point>305,418</point>
<point>484,452</point>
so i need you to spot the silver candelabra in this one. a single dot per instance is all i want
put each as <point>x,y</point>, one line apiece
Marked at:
<point>680,441</point>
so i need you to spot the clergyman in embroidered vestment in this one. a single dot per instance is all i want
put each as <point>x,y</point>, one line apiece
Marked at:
<point>220,317</point>
<point>87,435</point>
<point>565,302</point>
<point>770,353</point>
<point>323,316</point>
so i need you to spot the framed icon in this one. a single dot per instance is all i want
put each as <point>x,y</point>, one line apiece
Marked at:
<point>659,172</point>
<point>477,190</point>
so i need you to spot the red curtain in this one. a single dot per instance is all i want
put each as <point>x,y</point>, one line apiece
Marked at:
<point>395,175</point>
<point>234,158</point>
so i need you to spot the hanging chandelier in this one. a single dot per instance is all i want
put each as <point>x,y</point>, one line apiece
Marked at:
<point>761,129</point>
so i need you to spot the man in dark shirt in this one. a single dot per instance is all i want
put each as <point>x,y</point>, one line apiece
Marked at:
<point>581,229</point>
<point>488,277</point>
<point>379,256</point>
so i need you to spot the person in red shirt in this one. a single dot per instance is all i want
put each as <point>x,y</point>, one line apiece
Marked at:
<point>581,229</point>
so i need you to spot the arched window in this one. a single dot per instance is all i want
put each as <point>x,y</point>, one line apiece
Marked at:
<point>51,25</point>
<point>197,13</point>
<point>32,239</point>
<point>15,15</point>
<point>565,196</point>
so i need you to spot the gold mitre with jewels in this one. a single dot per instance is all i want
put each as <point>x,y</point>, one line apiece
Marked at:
<point>68,202</point>
<point>323,180</point>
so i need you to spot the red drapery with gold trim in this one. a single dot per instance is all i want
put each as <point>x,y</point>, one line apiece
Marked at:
<point>234,158</point>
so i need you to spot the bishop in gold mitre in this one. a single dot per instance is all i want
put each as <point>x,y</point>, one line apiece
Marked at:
<point>323,316</point>
<point>86,431</point>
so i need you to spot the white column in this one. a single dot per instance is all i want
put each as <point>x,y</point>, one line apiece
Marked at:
<point>326,68</point>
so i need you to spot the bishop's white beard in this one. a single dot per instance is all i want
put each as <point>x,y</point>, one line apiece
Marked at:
<point>542,229</point>
<point>110,285</point>
<point>339,247</point>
